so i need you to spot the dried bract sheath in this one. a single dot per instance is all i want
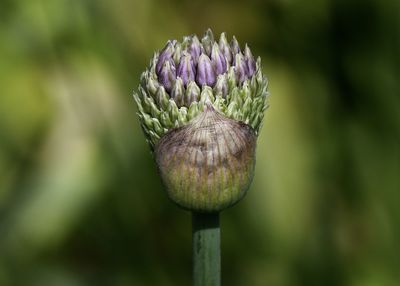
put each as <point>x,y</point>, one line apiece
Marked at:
<point>201,104</point>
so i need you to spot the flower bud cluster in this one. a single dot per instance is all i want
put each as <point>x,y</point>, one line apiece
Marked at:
<point>184,75</point>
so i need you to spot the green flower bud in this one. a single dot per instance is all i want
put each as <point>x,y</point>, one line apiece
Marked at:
<point>201,105</point>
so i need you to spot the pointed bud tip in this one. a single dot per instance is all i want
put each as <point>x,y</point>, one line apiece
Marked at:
<point>164,55</point>
<point>167,75</point>
<point>205,72</point>
<point>186,69</point>
<point>218,60</point>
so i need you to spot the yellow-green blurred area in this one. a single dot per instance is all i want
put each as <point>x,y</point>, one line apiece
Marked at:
<point>80,199</point>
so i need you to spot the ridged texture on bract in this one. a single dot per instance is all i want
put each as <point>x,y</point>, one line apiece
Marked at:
<point>212,168</point>
<point>201,106</point>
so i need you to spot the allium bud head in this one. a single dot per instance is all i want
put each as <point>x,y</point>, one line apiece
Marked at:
<point>201,105</point>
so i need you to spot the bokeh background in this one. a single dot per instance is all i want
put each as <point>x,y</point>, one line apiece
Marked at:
<point>80,199</point>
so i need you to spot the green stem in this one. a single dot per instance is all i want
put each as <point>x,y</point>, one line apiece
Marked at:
<point>206,249</point>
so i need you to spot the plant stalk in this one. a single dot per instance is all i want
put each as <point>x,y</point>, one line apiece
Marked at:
<point>206,236</point>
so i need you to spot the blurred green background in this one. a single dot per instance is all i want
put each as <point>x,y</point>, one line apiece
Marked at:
<point>80,200</point>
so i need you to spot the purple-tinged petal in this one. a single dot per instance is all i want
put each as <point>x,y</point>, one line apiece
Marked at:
<point>186,69</point>
<point>241,69</point>
<point>218,60</point>
<point>208,41</point>
<point>177,53</point>
<point>167,75</point>
<point>165,55</point>
<point>235,47</point>
<point>225,48</point>
<point>205,72</point>
<point>195,49</point>
<point>250,61</point>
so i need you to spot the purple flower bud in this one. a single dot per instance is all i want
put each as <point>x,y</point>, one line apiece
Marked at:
<point>241,69</point>
<point>205,72</point>
<point>167,75</point>
<point>177,53</point>
<point>235,48</point>
<point>165,55</point>
<point>225,48</point>
<point>208,41</point>
<point>195,49</point>
<point>218,60</point>
<point>250,61</point>
<point>186,69</point>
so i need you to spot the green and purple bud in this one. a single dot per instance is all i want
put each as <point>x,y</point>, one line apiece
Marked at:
<point>241,68</point>
<point>192,93</point>
<point>201,106</point>
<point>221,87</point>
<point>167,75</point>
<point>208,41</point>
<point>195,48</point>
<point>250,61</point>
<point>235,49</point>
<point>225,48</point>
<point>205,71</point>
<point>218,60</point>
<point>165,55</point>
<point>178,92</point>
<point>186,70</point>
